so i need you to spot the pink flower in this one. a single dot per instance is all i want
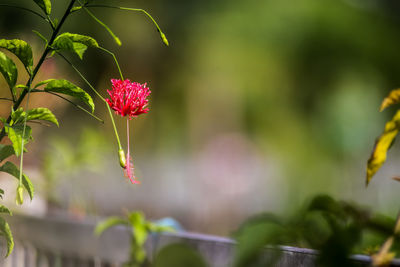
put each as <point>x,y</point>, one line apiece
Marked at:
<point>128,99</point>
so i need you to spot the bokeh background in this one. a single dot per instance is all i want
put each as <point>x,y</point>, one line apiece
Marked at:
<point>255,106</point>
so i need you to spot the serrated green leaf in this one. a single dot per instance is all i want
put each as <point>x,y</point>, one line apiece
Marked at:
<point>11,169</point>
<point>75,43</point>
<point>21,49</point>
<point>5,231</point>
<point>45,5</point>
<point>4,209</point>
<point>6,151</point>
<point>15,134</point>
<point>41,114</point>
<point>68,88</point>
<point>8,69</point>
<point>109,222</point>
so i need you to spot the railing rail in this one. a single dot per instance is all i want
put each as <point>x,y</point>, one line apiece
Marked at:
<point>48,242</point>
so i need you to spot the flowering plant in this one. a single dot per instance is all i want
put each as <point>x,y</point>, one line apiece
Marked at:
<point>128,99</point>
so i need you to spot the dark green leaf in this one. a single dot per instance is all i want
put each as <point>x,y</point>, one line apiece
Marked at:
<point>8,69</point>
<point>41,114</point>
<point>179,255</point>
<point>75,43</point>
<point>21,49</point>
<point>6,151</point>
<point>4,209</point>
<point>11,169</point>
<point>68,88</point>
<point>15,134</point>
<point>6,232</point>
<point>45,5</point>
<point>109,222</point>
<point>1,193</point>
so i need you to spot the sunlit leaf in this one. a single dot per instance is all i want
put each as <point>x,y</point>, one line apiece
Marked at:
<point>109,222</point>
<point>41,114</point>
<point>138,222</point>
<point>11,169</point>
<point>76,43</point>
<point>382,145</point>
<point>6,151</point>
<point>8,69</point>
<point>15,133</point>
<point>179,255</point>
<point>5,231</point>
<point>45,5</point>
<point>68,88</point>
<point>21,49</point>
<point>392,99</point>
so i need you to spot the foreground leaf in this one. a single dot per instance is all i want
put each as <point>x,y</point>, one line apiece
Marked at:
<point>15,133</point>
<point>4,209</point>
<point>43,114</point>
<point>8,69</point>
<point>6,151</point>
<point>75,43</point>
<point>21,49</point>
<point>179,255</point>
<point>68,88</point>
<point>109,222</point>
<point>45,5</point>
<point>5,231</point>
<point>382,145</point>
<point>11,169</point>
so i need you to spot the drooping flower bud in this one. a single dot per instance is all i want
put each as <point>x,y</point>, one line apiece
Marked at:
<point>122,158</point>
<point>20,195</point>
<point>164,39</point>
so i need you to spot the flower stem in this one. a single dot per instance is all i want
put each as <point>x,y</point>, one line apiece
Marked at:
<point>113,123</point>
<point>115,59</point>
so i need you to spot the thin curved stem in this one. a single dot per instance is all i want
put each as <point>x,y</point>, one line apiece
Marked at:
<point>69,101</point>
<point>115,59</point>
<point>81,75</point>
<point>129,9</point>
<point>26,9</point>
<point>5,98</point>
<point>97,93</point>
<point>114,127</point>
<point>117,40</point>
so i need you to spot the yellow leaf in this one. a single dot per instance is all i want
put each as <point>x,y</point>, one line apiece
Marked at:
<point>382,145</point>
<point>391,99</point>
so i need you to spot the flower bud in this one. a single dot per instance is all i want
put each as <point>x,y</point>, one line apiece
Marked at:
<point>122,159</point>
<point>20,195</point>
<point>164,38</point>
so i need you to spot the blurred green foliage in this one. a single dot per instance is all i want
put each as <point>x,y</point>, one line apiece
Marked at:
<point>336,229</point>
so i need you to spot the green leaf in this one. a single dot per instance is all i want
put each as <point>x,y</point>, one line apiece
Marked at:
<point>109,222</point>
<point>5,231</point>
<point>21,49</point>
<point>41,114</point>
<point>11,169</point>
<point>15,134</point>
<point>6,151</point>
<point>45,5</point>
<point>75,43</point>
<point>42,83</point>
<point>382,145</point>
<point>1,193</point>
<point>68,88</point>
<point>8,69</point>
<point>179,255</point>
<point>138,222</point>
<point>4,209</point>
